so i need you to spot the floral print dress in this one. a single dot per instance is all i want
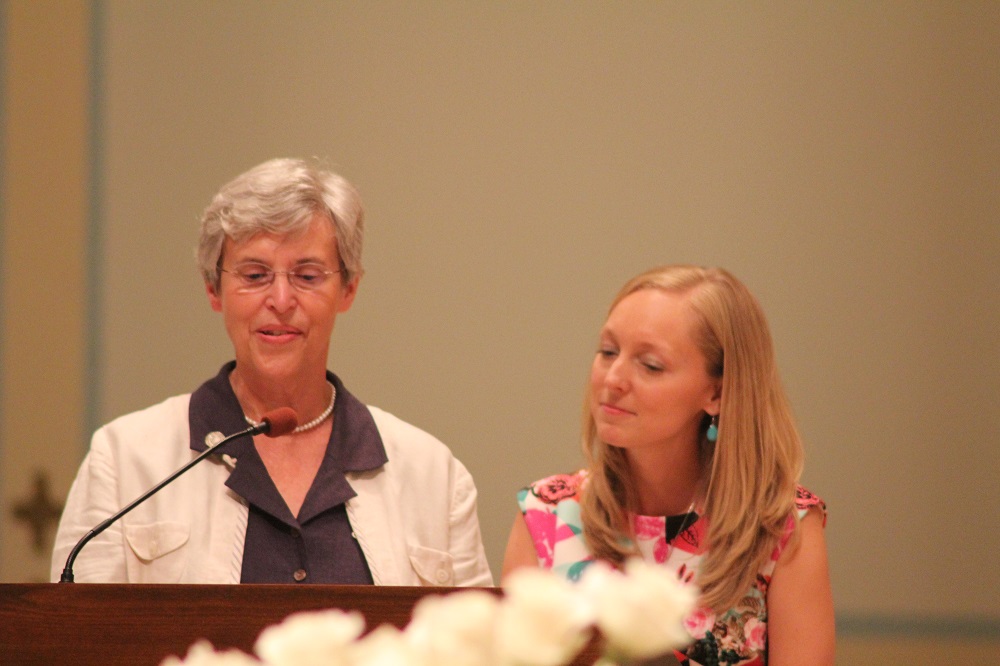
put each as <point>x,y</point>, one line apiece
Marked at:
<point>738,636</point>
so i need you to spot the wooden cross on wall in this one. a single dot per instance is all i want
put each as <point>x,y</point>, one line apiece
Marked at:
<point>39,512</point>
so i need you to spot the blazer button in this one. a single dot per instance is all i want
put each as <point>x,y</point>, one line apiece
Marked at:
<point>299,575</point>
<point>442,576</point>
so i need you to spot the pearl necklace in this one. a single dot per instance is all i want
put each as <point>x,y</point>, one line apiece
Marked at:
<point>316,421</point>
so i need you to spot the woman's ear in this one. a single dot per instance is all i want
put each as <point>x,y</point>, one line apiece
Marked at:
<point>213,297</point>
<point>714,405</point>
<point>350,290</point>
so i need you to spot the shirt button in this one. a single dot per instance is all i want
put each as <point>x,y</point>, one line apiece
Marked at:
<point>299,575</point>
<point>442,576</point>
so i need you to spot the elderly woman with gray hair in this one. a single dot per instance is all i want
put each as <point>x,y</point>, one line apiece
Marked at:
<point>352,495</point>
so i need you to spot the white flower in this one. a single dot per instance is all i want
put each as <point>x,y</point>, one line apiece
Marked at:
<point>386,646</point>
<point>455,629</point>
<point>543,620</point>
<point>641,612</point>
<point>310,638</point>
<point>201,653</point>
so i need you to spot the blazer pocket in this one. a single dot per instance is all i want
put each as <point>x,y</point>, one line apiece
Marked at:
<point>157,546</point>
<point>433,567</point>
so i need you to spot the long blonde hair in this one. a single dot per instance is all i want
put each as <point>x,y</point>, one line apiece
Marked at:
<point>753,467</point>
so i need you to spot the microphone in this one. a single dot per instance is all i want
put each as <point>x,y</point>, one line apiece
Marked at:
<point>275,423</point>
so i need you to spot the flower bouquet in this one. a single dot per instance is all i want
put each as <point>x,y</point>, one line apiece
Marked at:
<point>540,620</point>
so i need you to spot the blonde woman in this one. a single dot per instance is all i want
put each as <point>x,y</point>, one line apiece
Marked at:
<point>693,461</point>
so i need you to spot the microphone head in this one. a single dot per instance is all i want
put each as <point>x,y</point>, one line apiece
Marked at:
<point>280,421</point>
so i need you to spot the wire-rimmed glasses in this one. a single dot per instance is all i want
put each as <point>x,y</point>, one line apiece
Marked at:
<point>257,277</point>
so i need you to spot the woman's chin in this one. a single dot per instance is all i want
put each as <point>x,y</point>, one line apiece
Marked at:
<point>277,367</point>
<point>612,436</point>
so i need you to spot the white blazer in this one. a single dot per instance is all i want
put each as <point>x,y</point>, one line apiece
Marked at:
<point>414,518</point>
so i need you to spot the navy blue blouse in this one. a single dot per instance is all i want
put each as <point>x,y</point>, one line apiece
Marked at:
<point>318,546</point>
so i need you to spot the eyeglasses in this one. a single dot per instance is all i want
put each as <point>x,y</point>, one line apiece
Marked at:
<point>257,277</point>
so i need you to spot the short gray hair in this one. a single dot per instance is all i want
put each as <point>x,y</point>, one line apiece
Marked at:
<point>282,196</point>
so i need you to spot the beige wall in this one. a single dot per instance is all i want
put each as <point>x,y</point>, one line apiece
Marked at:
<point>520,160</point>
<point>43,285</point>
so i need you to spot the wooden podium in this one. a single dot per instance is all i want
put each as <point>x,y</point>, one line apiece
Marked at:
<point>107,624</point>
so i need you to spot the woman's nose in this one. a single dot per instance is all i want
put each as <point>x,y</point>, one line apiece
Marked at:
<point>616,376</point>
<point>280,292</point>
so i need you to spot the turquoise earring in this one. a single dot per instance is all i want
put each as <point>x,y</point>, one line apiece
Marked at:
<point>712,434</point>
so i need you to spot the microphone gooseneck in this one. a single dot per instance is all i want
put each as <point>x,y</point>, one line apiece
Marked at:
<point>275,423</point>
